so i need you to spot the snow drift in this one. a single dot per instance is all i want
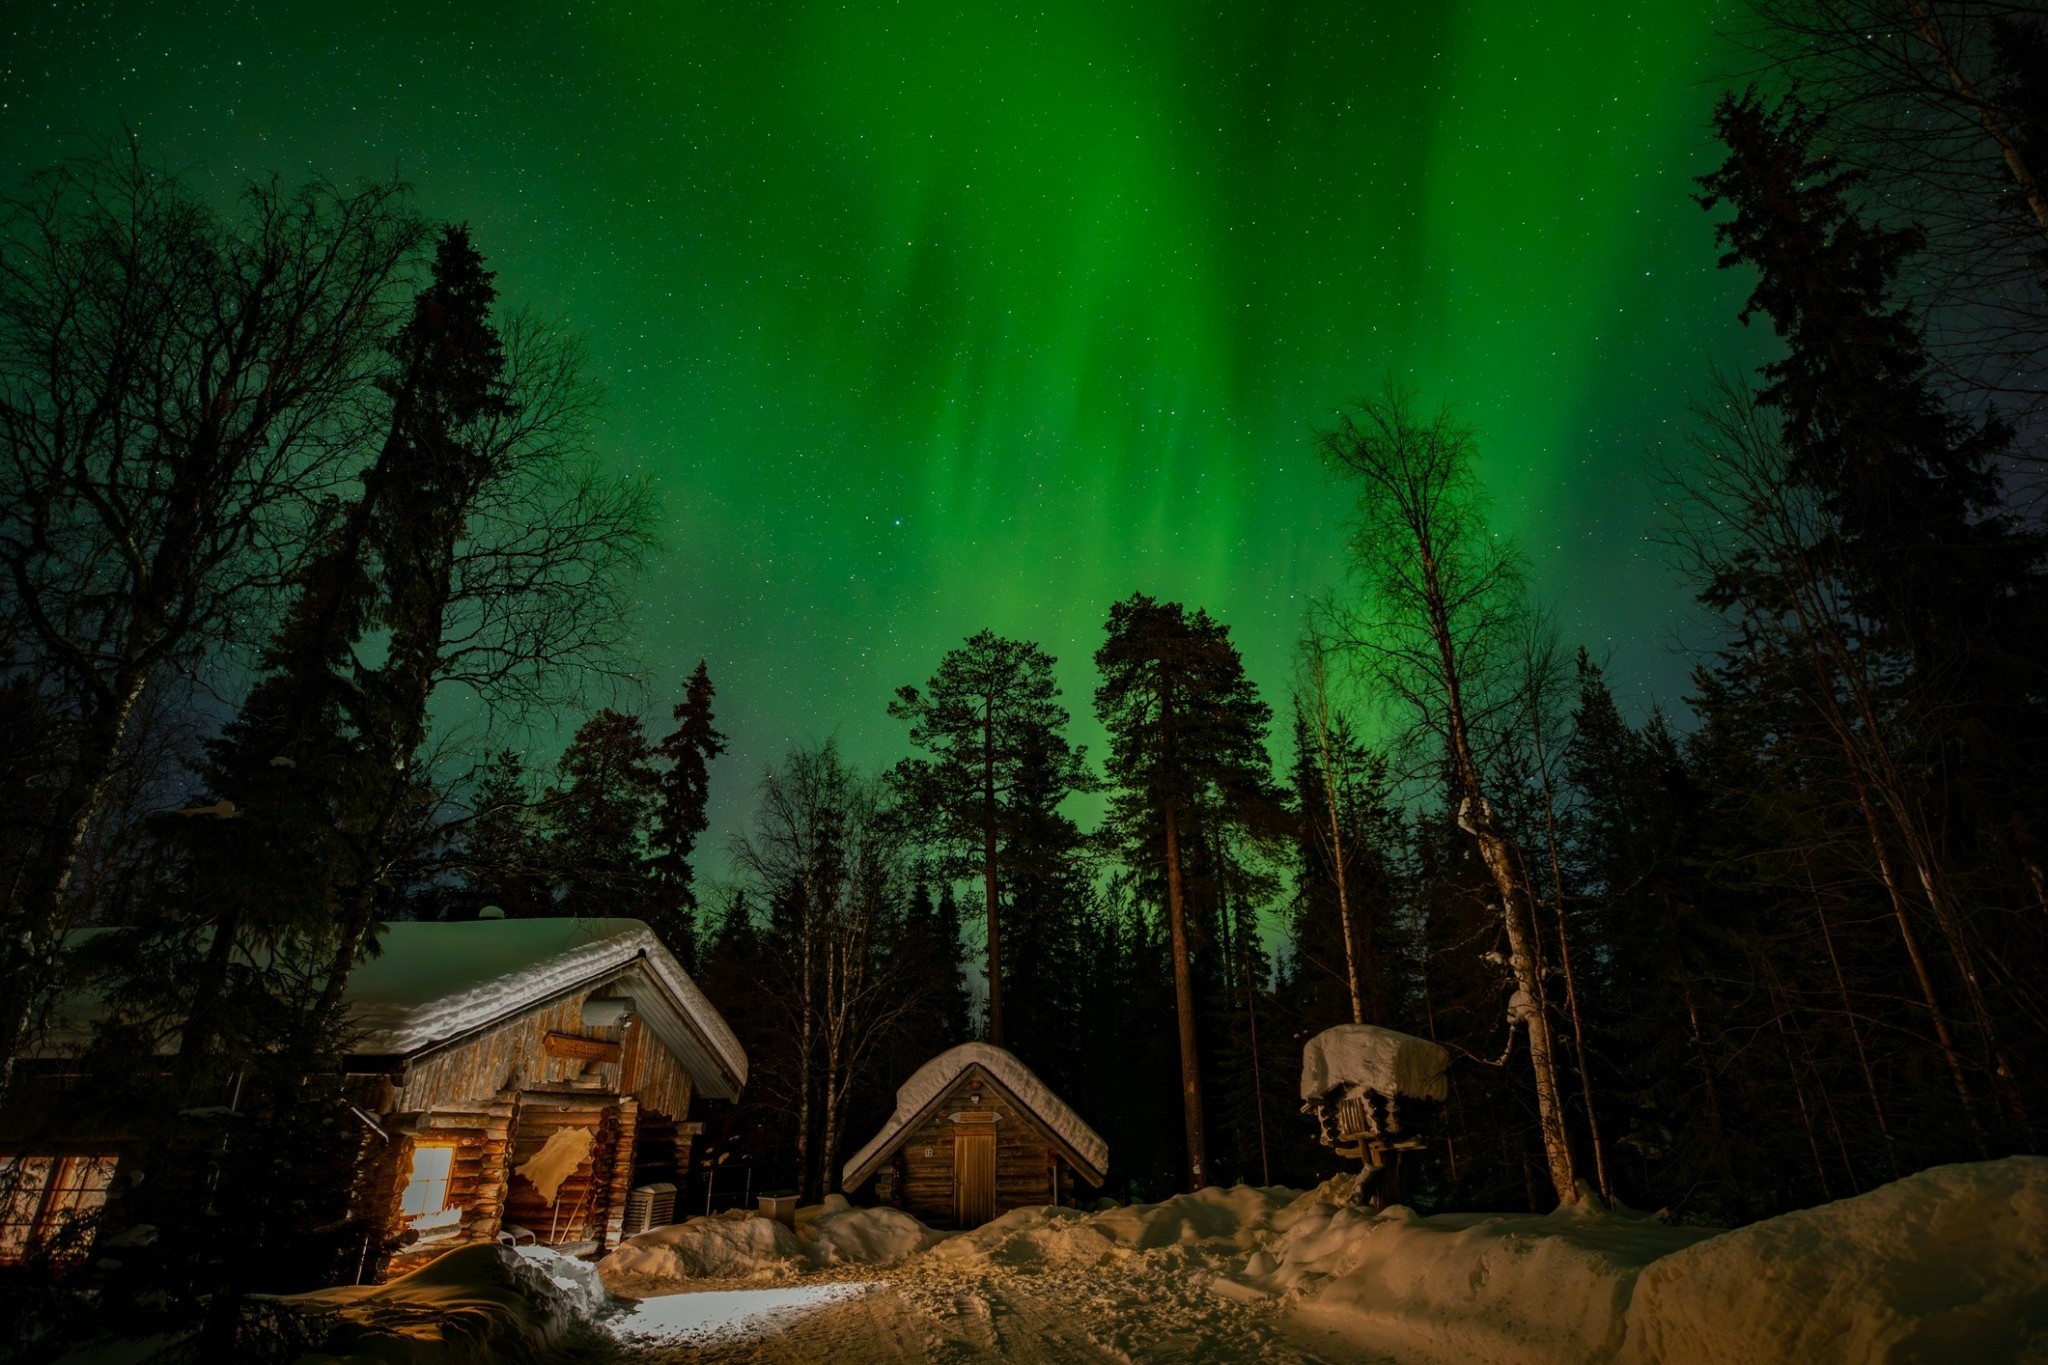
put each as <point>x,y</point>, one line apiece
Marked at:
<point>1947,1265</point>
<point>1215,1223</point>
<point>742,1245</point>
<point>1467,1287</point>
<point>478,1304</point>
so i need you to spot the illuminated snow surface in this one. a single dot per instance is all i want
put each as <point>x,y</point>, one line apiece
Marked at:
<point>708,1314</point>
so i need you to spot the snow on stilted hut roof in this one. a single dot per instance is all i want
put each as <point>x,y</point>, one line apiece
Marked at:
<point>930,1082</point>
<point>432,984</point>
<point>1367,1057</point>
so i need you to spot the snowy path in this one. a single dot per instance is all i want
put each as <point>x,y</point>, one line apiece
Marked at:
<point>930,1314</point>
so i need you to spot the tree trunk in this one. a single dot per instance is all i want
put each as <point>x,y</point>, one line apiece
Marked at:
<point>835,1006</point>
<point>1884,1128</point>
<point>1184,1006</point>
<point>32,948</point>
<point>1477,818</point>
<point>1571,990</point>
<point>1353,978</point>
<point>1987,117</point>
<point>988,869</point>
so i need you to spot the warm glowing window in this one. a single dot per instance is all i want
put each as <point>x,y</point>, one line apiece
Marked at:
<point>41,1197</point>
<point>425,1204</point>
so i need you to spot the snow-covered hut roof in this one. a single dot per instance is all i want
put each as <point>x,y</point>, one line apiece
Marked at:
<point>1367,1057</point>
<point>433,983</point>
<point>928,1085</point>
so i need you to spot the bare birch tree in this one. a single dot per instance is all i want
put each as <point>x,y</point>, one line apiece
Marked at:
<point>178,393</point>
<point>1435,624</point>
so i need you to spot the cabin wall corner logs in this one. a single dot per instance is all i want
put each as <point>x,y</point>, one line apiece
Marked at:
<point>1029,1169</point>
<point>496,1099</point>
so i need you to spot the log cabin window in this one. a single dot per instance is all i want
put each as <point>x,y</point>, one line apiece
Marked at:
<point>42,1197</point>
<point>425,1203</point>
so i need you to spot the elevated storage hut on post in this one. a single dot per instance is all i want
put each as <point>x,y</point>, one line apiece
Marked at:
<point>974,1135</point>
<point>514,1078</point>
<point>1367,1088</point>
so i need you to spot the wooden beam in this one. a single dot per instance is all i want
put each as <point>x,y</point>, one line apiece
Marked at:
<point>577,1046</point>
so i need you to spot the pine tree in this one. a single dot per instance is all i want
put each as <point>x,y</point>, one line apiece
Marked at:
<point>1187,756</point>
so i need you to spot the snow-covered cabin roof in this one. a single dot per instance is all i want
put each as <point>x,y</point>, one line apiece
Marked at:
<point>433,983</point>
<point>918,1096</point>
<point>1367,1057</point>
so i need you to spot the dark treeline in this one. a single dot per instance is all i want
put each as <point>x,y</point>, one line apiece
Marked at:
<point>286,485</point>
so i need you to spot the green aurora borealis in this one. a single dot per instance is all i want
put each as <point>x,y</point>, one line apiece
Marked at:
<point>926,317</point>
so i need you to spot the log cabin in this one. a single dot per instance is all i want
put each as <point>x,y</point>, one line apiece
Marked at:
<point>516,1079</point>
<point>974,1135</point>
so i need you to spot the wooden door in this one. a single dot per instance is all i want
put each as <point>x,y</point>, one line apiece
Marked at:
<point>974,1179</point>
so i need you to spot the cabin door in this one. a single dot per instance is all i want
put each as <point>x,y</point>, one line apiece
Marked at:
<point>974,1179</point>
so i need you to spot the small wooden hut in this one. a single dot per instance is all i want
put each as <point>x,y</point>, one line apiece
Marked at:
<point>976,1134</point>
<point>515,1078</point>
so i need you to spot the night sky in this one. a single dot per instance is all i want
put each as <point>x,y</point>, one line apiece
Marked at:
<point>930,317</point>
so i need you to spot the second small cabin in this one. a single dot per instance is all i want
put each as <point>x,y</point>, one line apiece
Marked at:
<point>976,1134</point>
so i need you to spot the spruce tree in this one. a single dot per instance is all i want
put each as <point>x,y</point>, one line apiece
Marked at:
<point>999,766</point>
<point>683,791</point>
<point>598,816</point>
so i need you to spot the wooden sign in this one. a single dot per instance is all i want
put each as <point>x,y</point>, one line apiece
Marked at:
<point>975,1116</point>
<point>577,1046</point>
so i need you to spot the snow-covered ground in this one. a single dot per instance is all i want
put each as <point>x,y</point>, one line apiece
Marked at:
<point>1950,1265</point>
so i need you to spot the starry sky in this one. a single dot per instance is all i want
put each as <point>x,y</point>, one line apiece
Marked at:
<point>925,317</point>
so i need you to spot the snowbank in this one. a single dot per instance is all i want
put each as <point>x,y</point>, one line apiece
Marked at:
<point>931,1080</point>
<point>741,1245</point>
<point>738,1245</point>
<point>1365,1057</point>
<point>843,1235</point>
<point>1944,1266</point>
<point>476,1304</point>
<point>1947,1265</point>
<point>1214,1223</point>
<point>1466,1287</point>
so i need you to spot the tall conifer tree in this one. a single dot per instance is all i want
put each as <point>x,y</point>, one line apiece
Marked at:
<point>1187,753</point>
<point>999,767</point>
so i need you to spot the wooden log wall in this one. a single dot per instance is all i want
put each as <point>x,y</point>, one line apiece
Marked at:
<point>1024,1156</point>
<point>476,1179</point>
<point>583,1203</point>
